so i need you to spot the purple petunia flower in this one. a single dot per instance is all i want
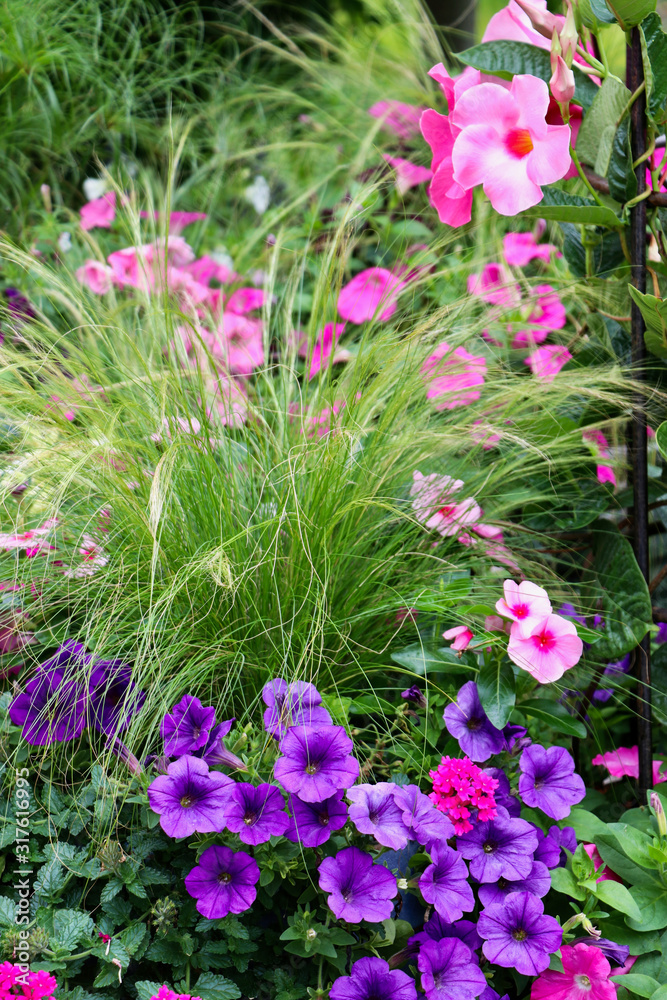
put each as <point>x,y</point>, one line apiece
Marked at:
<point>255,813</point>
<point>662,633</point>
<point>514,733</point>
<point>502,792</point>
<point>490,994</point>
<point>499,848</point>
<point>189,799</point>
<point>548,781</point>
<point>295,704</point>
<point>538,881</point>
<point>424,822</point>
<point>114,697</point>
<point>616,953</point>
<point>444,883</point>
<point>313,823</point>
<point>615,669</point>
<point>359,889</point>
<point>372,979</point>
<point>316,763</point>
<point>467,722</point>
<point>448,971</point>
<point>435,929</point>
<point>52,709</point>
<point>550,845</point>
<point>187,727</point>
<point>374,811</point>
<point>518,934</point>
<point>223,882</point>
<point>215,752</point>
<point>415,695</point>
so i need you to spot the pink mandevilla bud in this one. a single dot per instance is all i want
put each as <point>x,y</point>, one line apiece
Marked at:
<point>569,36</point>
<point>542,20</point>
<point>561,83</point>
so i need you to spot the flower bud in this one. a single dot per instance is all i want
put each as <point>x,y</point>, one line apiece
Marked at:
<point>561,83</point>
<point>658,809</point>
<point>402,883</point>
<point>311,934</point>
<point>542,20</point>
<point>588,927</point>
<point>569,36</point>
<point>461,635</point>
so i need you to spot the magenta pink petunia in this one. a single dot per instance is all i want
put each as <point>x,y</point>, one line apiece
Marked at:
<point>521,248</point>
<point>505,144</point>
<point>99,213</point>
<point>624,762</point>
<point>453,376</point>
<point>96,276</point>
<point>371,294</point>
<point>548,650</point>
<point>546,362</point>
<point>325,350</point>
<point>585,976</point>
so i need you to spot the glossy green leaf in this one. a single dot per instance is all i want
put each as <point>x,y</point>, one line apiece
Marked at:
<point>606,251</point>
<point>496,687</point>
<point>507,59</point>
<point>629,13</point>
<point>652,903</point>
<point>555,715</point>
<point>564,881</point>
<point>594,13</point>
<point>616,859</point>
<point>626,603</point>
<point>654,311</point>
<point>660,994</point>
<point>620,174</point>
<point>634,844</point>
<point>596,135</point>
<point>617,896</point>
<point>562,207</point>
<point>654,56</point>
<point>643,986</point>
<point>423,660</point>
<point>587,826</point>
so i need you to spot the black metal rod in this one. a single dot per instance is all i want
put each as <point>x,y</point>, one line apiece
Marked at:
<point>642,657</point>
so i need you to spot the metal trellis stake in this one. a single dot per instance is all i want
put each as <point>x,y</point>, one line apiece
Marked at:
<point>642,656</point>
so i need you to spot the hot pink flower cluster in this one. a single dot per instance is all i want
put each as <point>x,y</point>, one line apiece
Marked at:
<point>459,787</point>
<point>529,317</point>
<point>599,446</point>
<point>542,643</point>
<point>17,981</point>
<point>165,993</point>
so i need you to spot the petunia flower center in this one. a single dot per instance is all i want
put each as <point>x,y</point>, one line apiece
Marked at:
<point>187,801</point>
<point>346,893</point>
<point>518,142</point>
<point>224,878</point>
<point>489,846</point>
<point>583,982</point>
<point>323,819</point>
<point>250,818</point>
<point>312,768</point>
<point>519,934</point>
<point>473,724</point>
<point>196,732</point>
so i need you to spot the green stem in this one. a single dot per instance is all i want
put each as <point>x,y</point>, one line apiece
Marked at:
<point>596,67</point>
<point>580,171</point>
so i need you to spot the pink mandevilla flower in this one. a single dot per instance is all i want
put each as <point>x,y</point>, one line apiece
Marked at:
<point>521,248</point>
<point>585,976</point>
<point>408,174</point>
<point>505,144</point>
<point>551,648</point>
<point>512,24</point>
<point>546,362</point>
<point>524,603</point>
<point>371,294</point>
<point>397,117</point>
<point>453,376</point>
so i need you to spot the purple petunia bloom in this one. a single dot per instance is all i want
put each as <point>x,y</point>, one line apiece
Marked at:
<point>215,752</point>
<point>313,823</point>
<point>548,781</point>
<point>448,971</point>
<point>359,889</point>
<point>223,882</point>
<point>114,697</point>
<point>295,704</point>
<point>372,979</point>
<point>52,709</point>
<point>374,811</point>
<point>499,848</point>
<point>514,733</point>
<point>490,994</point>
<point>518,934</point>
<point>189,799</point>
<point>186,728</point>
<point>616,953</point>
<point>415,695</point>
<point>444,883</point>
<point>502,792</point>
<point>538,881</point>
<point>550,845</point>
<point>316,763</point>
<point>467,722</point>
<point>615,669</point>
<point>424,822</point>
<point>255,813</point>
<point>662,633</point>
<point>435,929</point>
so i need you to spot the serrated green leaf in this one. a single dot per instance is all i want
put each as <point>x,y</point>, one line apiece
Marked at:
<point>605,112</point>
<point>146,989</point>
<point>212,987</point>
<point>555,715</point>
<point>497,692</point>
<point>70,927</point>
<point>654,56</point>
<point>506,59</point>
<point>562,207</point>
<point>7,912</point>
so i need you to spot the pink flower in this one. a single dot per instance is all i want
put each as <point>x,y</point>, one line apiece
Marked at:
<point>206,268</point>
<point>606,875</point>
<point>464,792</point>
<point>397,117</point>
<point>496,285</point>
<point>371,294</point>
<point>554,117</point>
<point>96,276</point>
<point>93,558</point>
<point>546,362</point>
<point>484,434</point>
<point>585,976</point>
<point>551,648</point>
<point>524,603</point>
<point>624,762</point>
<point>453,374</point>
<point>547,315</point>
<point>244,300</point>
<point>321,423</point>
<point>605,474</point>
<point>461,635</point>
<point>230,401</point>
<point>561,83</point>
<point>323,348</point>
<point>434,506</point>
<point>177,250</point>
<point>513,25</point>
<point>408,175</point>
<point>100,213</point>
<point>521,248</point>
<point>506,145</point>
<point>191,292</point>
<point>240,341</point>
<point>600,448</point>
<point>178,220</point>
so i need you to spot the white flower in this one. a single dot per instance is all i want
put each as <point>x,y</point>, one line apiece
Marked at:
<point>258,194</point>
<point>65,242</point>
<point>94,187</point>
<point>221,257</point>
